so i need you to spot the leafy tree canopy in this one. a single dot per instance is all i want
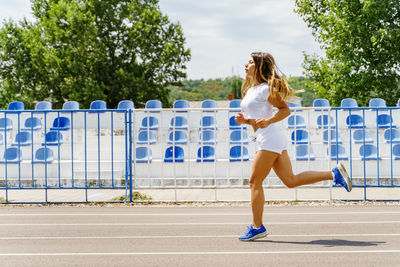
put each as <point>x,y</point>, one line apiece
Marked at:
<point>361,39</point>
<point>86,50</point>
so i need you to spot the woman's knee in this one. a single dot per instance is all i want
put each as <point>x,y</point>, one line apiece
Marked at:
<point>289,182</point>
<point>255,181</point>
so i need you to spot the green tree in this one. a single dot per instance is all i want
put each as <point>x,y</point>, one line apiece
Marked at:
<point>361,40</point>
<point>236,87</point>
<point>93,49</point>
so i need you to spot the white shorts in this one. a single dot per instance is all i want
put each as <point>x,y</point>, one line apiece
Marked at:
<point>271,139</point>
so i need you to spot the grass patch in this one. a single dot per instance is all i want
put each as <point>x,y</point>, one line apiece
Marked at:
<point>136,196</point>
<point>2,199</point>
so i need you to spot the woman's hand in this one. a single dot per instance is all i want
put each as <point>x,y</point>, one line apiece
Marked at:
<point>262,123</point>
<point>240,119</point>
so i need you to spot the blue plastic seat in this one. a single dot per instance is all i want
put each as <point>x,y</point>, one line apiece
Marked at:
<point>206,154</point>
<point>150,123</point>
<point>146,137</point>
<point>296,121</point>
<point>154,104</point>
<point>377,103</point>
<point>12,155</point>
<point>143,155</point>
<point>16,105</point>
<point>332,135</point>
<point>98,106</point>
<point>70,105</point>
<point>174,154</point>
<point>299,137</point>
<point>296,105</point>
<point>32,124</point>
<point>53,139</point>
<point>392,136</point>
<point>209,137</point>
<point>360,134</point>
<point>233,125</point>
<point>235,153</point>
<point>61,124</point>
<point>23,139</point>
<point>396,151</point>
<point>43,155</point>
<point>304,152</point>
<point>398,103</point>
<point>125,105</point>
<point>234,105</point>
<point>178,122</point>
<point>177,137</point>
<point>338,152</point>
<point>348,103</point>
<point>369,152</point>
<point>207,122</point>
<point>321,102</point>
<point>1,139</point>
<point>322,122</point>
<point>209,105</point>
<point>236,137</point>
<point>355,121</point>
<point>43,105</point>
<point>6,124</point>
<point>181,104</point>
<point>385,121</point>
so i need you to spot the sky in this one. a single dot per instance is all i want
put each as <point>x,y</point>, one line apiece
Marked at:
<point>221,34</point>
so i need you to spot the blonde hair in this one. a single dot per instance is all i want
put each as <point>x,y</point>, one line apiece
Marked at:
<point>266,71</point>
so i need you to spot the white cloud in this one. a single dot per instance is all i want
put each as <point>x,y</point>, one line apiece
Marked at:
<point>222,33</point>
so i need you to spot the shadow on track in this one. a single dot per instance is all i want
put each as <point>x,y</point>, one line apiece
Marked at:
<point>329,243</point>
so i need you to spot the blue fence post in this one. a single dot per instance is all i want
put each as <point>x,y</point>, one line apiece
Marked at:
<point>130,157</point>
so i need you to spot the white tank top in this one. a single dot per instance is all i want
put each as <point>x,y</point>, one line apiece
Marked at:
<point>255,103</point>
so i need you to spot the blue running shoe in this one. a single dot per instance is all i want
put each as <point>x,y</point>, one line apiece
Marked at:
<point>253,233</point>
<point>341,177</point>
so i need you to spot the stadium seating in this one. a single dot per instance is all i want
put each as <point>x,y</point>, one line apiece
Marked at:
<point>146,137</point>
<point>234,105</point>
<point>296,121</point>
<point>153,104</point>
<point>1,139</point>
<point>209,105</point>
<point>321,102</point>
<point>177,137</point>
<point>12,155</point>
<point>392,136</point>
<point>43,155</point>
<point>369,152</point>
<point>61,124</point>
<point>299,137</point>
<point>355,121</point>
<point>236,137</point>
<point>304,152</point>
<point>396,151</point>
<point>360,134</point>
<point>206,154</point>
<point>16,106</point>
<point>32,124</point>
<point>174,154</point>
<point>233,125</point>
<point>338,152</point>
<point>296,105</point>
<point>348,103</point>
<point>43,105</point>
<point>235,153</point>
<point>143,155</point>
<point>178,122</point>
<point>377,103</point>
<point>125,105</point>
<point>71,105</point>
<point>385,121</point>
<point>322,121</point>
<point>150,123</point>
<point>209,137</point>
<point>98,106</point>
<point>53,139</point>
<point>332,134</point>
<point>6,124</point>
<point>181,104</point>
<point>207,123</point>
<point>23,139</point>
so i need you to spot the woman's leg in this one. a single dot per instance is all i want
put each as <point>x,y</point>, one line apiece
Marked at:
<point>283,168</point>
<point>263,162</point>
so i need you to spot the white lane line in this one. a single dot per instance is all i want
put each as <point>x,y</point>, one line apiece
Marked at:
<point>183,236</point>
<point>202,253</point>
<point>146,224</point>
<point>198,214</point>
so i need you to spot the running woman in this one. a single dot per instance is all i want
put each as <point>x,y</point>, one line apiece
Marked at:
<point>264,89</point>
